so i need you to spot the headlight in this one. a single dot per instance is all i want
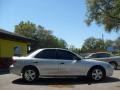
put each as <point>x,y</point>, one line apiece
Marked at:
<point>109,66</point>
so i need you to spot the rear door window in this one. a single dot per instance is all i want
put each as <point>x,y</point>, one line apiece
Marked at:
<point>47,54</point>
<point>103,55</point>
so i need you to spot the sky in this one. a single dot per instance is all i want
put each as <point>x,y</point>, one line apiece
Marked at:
<point>66,18</point>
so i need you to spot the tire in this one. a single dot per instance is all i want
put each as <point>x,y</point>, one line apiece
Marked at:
<point>114,65</point>
<point>97,73</point>
<point>30,74</point>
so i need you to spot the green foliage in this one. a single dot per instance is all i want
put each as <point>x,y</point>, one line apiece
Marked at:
<point>73,49</point>
<point>117,42</point>
<point>109,43</point>
<point>26,29</point>
<point>42,38</point>
<point>104,12</point>
<point>95,45</point>
<point>92,44</point>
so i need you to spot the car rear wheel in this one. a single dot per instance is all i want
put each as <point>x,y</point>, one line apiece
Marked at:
<point>97,74</point>
<point>30,74</point>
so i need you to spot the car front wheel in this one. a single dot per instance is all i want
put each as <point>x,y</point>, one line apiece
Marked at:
<point>97,74</point>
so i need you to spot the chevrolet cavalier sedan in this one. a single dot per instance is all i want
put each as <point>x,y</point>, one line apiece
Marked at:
<point>56,62</point>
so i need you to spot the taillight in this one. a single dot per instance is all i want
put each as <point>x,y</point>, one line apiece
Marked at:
<point>13,61</point>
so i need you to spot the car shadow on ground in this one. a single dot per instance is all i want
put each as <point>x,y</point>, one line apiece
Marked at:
<point>65,81</point>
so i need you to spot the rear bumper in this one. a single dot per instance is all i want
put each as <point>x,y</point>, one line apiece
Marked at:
<point>15,70</point>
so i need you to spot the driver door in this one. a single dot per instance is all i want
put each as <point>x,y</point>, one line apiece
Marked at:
<point>69,63</point>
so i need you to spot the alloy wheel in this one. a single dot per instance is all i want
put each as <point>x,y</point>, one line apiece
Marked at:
<point>29,75</point>
<point>97,74</point>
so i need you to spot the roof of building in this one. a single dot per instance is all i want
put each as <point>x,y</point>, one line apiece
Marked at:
<point>9,35</point>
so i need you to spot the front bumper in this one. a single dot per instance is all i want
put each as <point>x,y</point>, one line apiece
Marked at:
<point>109,71</point>
<point>118,67</point>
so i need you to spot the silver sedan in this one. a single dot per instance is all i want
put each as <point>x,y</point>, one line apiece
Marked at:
<point>55,62</point>
<point>106,57</point>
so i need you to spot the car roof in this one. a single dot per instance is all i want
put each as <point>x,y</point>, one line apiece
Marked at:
<point>53,48</point>
<point>38,50</point>
<point>99,53</point>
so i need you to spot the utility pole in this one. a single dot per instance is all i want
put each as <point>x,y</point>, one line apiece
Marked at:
<point>103,40</point>
<point>102,37</point>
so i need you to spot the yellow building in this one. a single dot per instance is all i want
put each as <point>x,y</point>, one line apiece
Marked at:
<point>12,45</point>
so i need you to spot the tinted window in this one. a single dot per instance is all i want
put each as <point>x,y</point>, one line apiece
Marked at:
<point>47,54</point>
<point>66,55</point>
<point>94,56</point>
<point>103,55</point>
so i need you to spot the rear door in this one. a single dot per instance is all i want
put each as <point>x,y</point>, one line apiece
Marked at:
<point>47,63</point>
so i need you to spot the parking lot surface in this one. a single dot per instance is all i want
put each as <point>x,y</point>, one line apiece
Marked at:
<point>13,82</point>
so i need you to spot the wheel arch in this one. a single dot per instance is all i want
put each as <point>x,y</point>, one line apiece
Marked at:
<point>96,66</point>
<point>113,62</point>
<point>30,66</point>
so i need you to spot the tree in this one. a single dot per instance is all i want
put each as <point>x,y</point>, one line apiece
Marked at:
<point>45,39</point>
<point>42,37</point>
<point>92,44</point>
<point>74,49</point>
<point>61,43</point>
<point>104,12</point>
<point>109,43</point>
<point>26,29</point>
<point>117,42</point>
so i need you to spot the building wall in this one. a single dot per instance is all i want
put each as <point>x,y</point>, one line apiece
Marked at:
<point>7,47</point>
<point>7,51</point>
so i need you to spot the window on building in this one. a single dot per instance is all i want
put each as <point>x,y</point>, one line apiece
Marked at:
<point>17,51</point>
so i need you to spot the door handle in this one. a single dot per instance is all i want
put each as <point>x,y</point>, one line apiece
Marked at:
<point>61,63</point>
